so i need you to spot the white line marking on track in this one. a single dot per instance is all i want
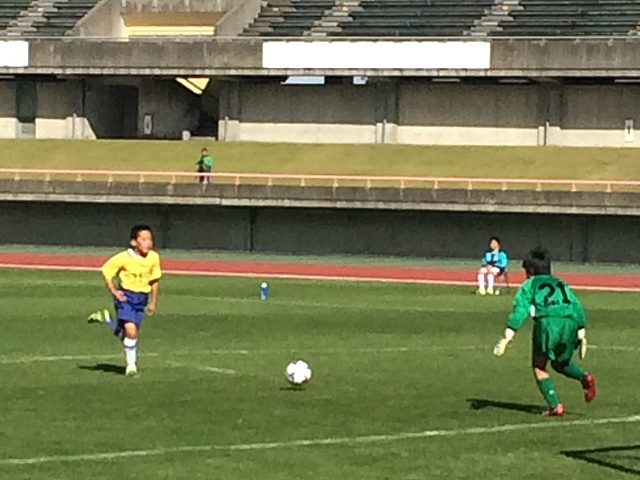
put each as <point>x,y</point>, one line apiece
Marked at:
<point>546,424</point>
<point>337,278</point>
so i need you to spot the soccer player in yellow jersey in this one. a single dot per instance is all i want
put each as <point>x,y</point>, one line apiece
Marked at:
<point>132,278</point>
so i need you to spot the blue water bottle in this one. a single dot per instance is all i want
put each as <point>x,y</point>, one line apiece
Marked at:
<point>264,291</point>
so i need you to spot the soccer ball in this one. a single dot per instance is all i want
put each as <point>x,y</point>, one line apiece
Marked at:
<point>298,372</point>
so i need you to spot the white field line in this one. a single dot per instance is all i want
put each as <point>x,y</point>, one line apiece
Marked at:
<point>7,360</point>
<point>288,276</point>
<point>59,358</point>
<point>204,368</point>
<point>615,348</point>
<point>542,425</point>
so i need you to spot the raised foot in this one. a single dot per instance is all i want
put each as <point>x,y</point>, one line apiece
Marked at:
<point>589,386</point>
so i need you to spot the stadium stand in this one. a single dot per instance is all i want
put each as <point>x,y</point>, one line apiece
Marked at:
<point>569,18</point>
<point>46,18</point>
<point>390,18</point>
<point>401,18</point>
<point>284,18</point>
<point>9,11</point>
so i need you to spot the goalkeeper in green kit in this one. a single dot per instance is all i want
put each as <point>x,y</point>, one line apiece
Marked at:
<point>559,329</point>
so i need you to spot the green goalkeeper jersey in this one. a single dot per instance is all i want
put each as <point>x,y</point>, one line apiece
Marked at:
<point>544,296</point>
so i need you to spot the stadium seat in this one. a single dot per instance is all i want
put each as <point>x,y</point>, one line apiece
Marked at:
<point>21,17</point>
<point>446,18</point>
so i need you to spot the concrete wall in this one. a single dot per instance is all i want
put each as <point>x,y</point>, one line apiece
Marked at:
<point>539,57</point>
<point>391,111</point>
<point>411,113</point>
<point>241,14</point>
<point>131,6</point>
<point>595,115</point>
<point>94,108</point>
<point>306,113</point>
<point>576,238</point>
<point>59,103</point>
<point>165,58</point>
<point>7,110</point>
<point>173,107</point>
<point>468,114</point>
<point>104,20</point>
<point>423,112</point>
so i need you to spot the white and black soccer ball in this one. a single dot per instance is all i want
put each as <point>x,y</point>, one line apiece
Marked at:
<point>298,372</point>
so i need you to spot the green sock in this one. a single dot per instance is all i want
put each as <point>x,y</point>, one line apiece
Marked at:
<point>573,370</point>
<point>549,392</point>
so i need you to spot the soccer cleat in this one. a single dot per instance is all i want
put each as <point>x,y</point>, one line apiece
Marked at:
<point>101,316</point>
<point>481,291</point>
<point>558,411</point>
<point>589,386</point>
<point>131,371</point>
<point>489,291</point>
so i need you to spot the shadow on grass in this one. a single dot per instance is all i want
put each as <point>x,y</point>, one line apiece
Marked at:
<point>292,388</point>
<point>482,403</point>
<point>624,459</point>
<point>104,368</point>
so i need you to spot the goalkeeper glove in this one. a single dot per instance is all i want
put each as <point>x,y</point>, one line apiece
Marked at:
<point>582,343</point>
<point>501,347</point>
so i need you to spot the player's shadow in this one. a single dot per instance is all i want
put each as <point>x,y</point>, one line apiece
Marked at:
<point>621,459</point>
<point>104,368</point>
<point>482,403</point>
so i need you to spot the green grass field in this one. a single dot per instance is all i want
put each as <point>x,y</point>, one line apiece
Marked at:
<point>515,162</point>
<point>388,360</point>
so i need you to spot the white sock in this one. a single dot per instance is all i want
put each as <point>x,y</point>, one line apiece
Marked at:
<point>110,323</point>
<point>130,350</point>
<point>490,278</point>
<point>481,281</point>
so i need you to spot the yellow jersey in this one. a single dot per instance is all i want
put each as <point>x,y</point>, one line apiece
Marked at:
<point>136,273</point>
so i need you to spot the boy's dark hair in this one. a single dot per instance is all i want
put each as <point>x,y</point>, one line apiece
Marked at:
<point>538,262</point>
<point>135,231</point>
<point>497,239</point>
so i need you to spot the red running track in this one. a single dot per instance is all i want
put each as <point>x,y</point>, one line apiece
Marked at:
<point>320,271</point>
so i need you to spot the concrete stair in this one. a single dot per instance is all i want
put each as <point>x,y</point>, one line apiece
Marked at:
<point>339,14</point>
<point>500,12</point>
<point>28,19</point>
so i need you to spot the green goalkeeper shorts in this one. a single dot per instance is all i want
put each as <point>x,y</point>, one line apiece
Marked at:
<point>555,338</point>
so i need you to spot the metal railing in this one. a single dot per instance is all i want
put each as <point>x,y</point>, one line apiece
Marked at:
<point>336,181</point>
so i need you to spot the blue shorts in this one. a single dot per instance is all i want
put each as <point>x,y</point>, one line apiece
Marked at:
<point>133,309</point>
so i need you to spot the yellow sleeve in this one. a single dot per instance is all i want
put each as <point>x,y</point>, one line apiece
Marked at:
<point>113,266</point>
<point>156,272</point>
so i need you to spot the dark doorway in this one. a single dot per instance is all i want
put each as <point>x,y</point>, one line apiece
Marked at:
<point>125,111</point>
<point>27,108</point>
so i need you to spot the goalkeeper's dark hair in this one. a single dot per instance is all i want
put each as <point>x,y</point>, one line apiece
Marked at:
<point>135,231</point>
<point>538,262</point>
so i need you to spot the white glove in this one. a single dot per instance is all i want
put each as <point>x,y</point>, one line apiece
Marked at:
<point>501,347</point>
<point>582,343</point>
